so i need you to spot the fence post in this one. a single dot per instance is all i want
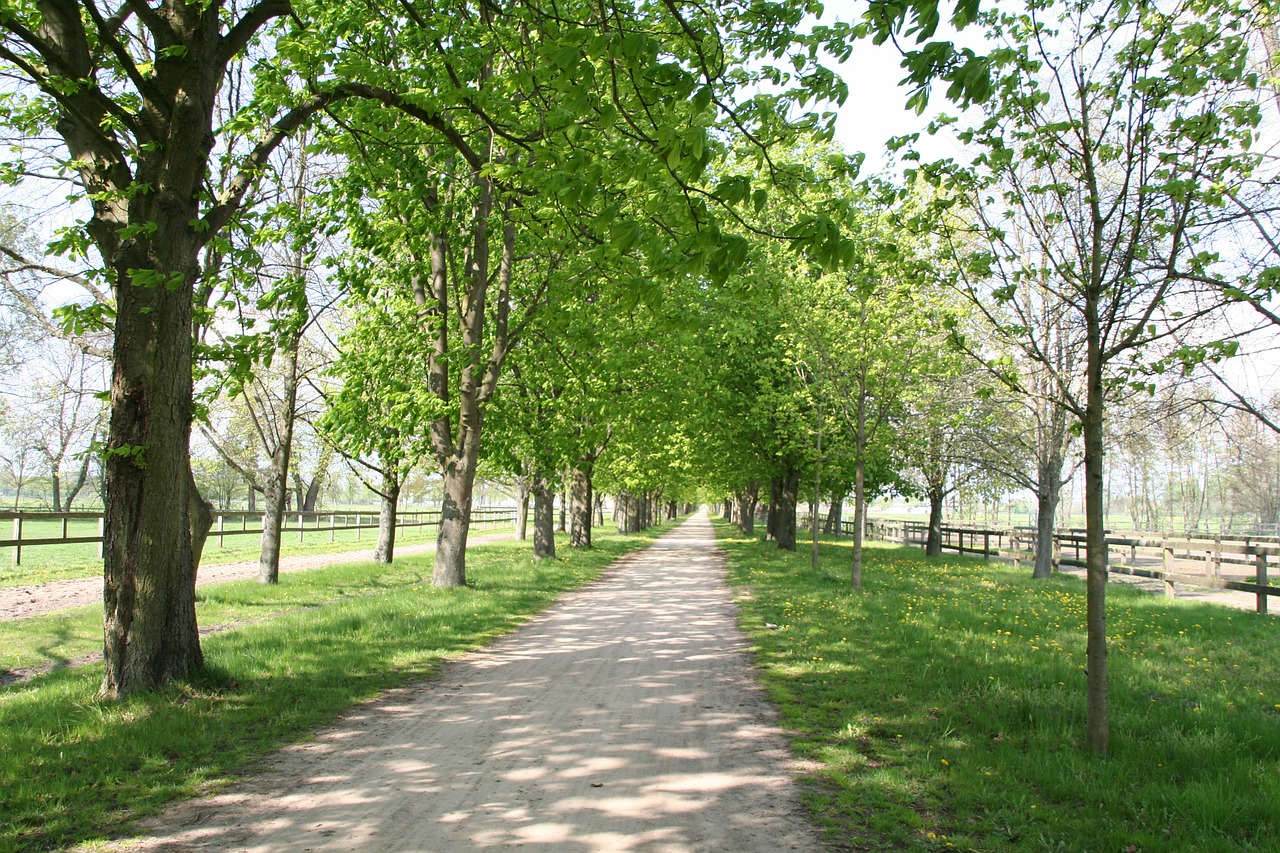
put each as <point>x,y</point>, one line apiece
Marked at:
<point>357,527</point>
<point>1057,554</point>
<point>332,522</point>
<point>1014,544</point>
<point>1217,556</point>
<point>1168,570</point>
<point>66,520</point>
<point>1260,562</point>
<point>102,535</point>
<point>302,526</point>
<point>17,540</point>
<point>986,545</point>
<point>221,522</point>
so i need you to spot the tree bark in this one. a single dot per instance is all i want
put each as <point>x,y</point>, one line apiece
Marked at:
<point>581,496</point>
<point>1047,509</point>
<point>835,516</point>
<point>1098,731</point>
<point>788,497</point>
<point>859,516</point>
<point>933,544</point>
<point>771,519</point>
<point>388,510</point>
<point>746,500</point>
<point>455,517</point>
<point>522,509</point>
<point>544,521</point>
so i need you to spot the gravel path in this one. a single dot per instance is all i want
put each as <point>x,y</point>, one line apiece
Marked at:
<point>625,718</point>
<point>19,602</point>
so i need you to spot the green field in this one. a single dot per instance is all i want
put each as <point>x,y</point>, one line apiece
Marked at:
<point>44,563</point>
<point>944,706</point>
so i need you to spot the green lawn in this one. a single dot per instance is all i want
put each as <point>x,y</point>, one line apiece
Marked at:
<point>944,706</point>
<point>74,769</point>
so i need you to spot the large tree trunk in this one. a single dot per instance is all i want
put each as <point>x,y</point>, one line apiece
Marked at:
<point>933,544</point>
<point>788,497</point>
<point>150,633</point>
<point>455,517</point>
<point>544,521</point>
<point>388,510</point>
<point>580,497</point>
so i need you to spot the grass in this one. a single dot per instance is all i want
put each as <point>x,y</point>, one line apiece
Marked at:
<point>45,563</point>
<point>944,706</point>
<point>77,770</point>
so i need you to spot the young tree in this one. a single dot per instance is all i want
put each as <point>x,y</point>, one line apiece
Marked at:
<point>1115,130</point>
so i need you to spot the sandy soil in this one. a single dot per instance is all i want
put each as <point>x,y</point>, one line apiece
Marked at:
<point>625,718</point>
<point>19,602</point>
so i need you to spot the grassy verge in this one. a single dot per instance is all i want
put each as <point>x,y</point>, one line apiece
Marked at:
<point>74,769</point>
<point>45,563</point>
<point>944,706</point>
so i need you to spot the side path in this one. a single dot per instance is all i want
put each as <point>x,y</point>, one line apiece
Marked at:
<point>19,602</point>
<point>624,718</point>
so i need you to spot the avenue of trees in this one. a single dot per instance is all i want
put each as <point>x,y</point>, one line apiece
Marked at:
<point>587,249</point>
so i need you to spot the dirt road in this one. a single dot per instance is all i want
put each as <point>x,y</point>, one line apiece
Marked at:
<point>625,718</point>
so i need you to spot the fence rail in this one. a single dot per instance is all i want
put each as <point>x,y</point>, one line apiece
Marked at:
<point>235,523</point>
<point>1231,562</point>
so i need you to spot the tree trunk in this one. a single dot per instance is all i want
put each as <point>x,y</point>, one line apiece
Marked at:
<point>150,633</point>
<point>251,503</point>
<point>201,514</point>
<point>388,509</point>
<point>835,517</point>
<point>933,544</point>
<point>859,515</point>
<point>1047,507</point>
<point>544,520</point>
<point>771,519</point>
<point>671,511</point>
<point>788,496</point>
<point>746,507</point>
<point>580,496</point>
<point>1098,734</point>
<point>599,499</point>
<point>78,483</point>
<point>455,517</point>
<point>564,507</point>
<point>275,490</point>
<point>522,510</point>
<point>277,485</point>
<point>55,482</point>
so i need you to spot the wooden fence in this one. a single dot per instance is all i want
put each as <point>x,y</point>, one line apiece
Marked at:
<point>1233,562</point>
<point>236,524</point>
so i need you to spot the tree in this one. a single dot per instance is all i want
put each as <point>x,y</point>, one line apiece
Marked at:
<point>1107,151</point>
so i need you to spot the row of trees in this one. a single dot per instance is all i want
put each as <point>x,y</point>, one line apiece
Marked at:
<point>610,246</point>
